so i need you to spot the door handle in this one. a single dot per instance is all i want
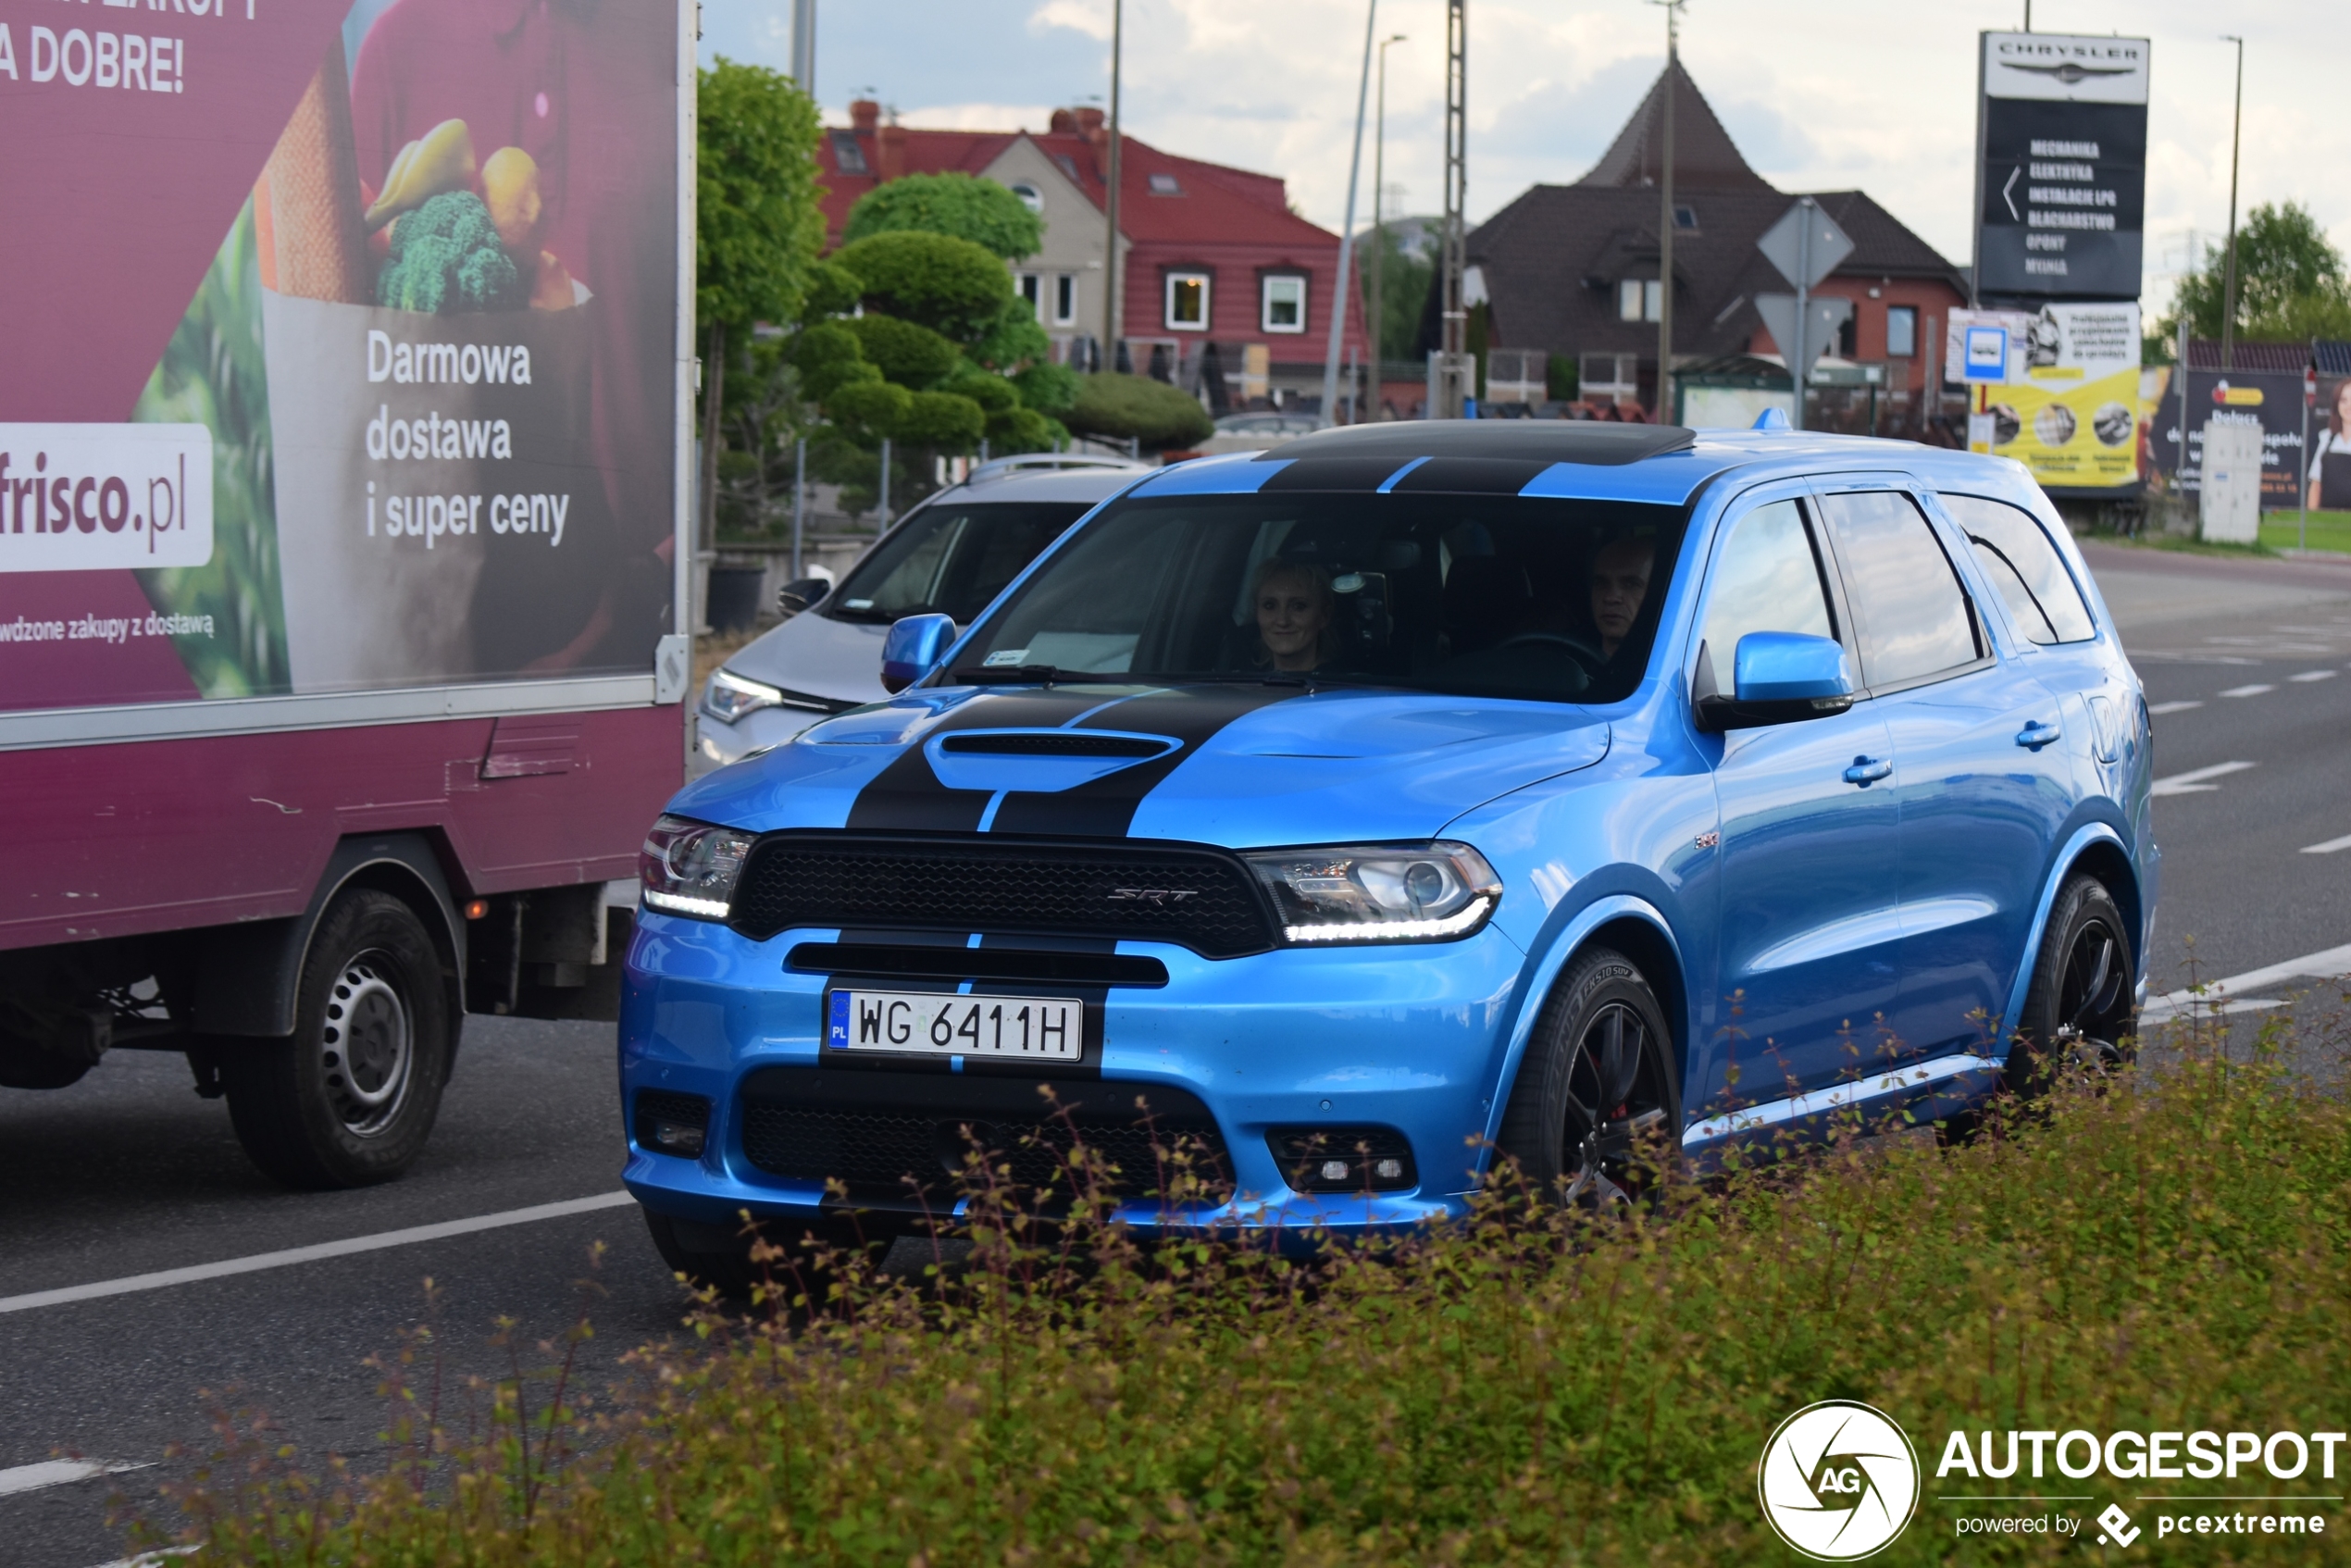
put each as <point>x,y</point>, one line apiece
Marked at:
<point>1867,771</point>
<point>2037,735</point>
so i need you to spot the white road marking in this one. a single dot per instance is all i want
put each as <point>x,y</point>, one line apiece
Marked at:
<point>2309,674</point>
<point>2333,963</point>
<point>2330,847</point>
<point>151,1558</point>
<point>2253,690</point>
<point>57,1472</point>
<point>163,1278</point>
<point>2160,708</point>
<point>2189,783</point>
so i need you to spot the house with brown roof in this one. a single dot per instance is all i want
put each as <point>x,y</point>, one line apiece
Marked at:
<point>1224,290</point>
<point>1574,269</point>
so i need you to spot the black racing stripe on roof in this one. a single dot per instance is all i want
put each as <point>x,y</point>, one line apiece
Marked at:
<point>1334,473</point>
<point>1472,476</point>
<point>1535,440</point>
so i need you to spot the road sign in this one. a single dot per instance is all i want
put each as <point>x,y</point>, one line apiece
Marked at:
<point>1984,354</point>
<point>1806,244</point>
<point>2061,130</point>
<point>1821,319</point>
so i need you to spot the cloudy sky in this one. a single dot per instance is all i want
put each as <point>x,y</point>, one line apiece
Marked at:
<point>1820,94</point>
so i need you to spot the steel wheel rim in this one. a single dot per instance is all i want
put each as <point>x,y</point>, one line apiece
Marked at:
<point>1611,1104</point>
<point>367,1046</point>
<point>2093,994</point>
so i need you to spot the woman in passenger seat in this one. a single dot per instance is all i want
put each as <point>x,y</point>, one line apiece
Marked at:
<point>1293,603</point>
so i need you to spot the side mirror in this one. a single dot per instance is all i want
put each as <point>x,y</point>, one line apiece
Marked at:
<point>914,645</point>
<point>1778,677</point>
<point>801,593</point>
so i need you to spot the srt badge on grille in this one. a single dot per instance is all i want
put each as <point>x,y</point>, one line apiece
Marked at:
<point>1157,897</point>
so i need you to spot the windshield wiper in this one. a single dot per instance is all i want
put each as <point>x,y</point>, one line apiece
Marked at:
<point>1044,675</point>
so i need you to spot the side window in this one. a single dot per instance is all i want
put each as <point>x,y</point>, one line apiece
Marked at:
<point>1766,578</point>
<point>1908,608</point>
<point>2017,556</point>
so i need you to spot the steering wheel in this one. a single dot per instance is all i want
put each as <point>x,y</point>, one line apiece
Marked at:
<point>1593,661</point>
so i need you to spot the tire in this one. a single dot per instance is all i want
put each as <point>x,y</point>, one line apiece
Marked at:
<point>2079,1015</point>
<point>1595,1110</point>
<point>350,1097</point>
<point>718,1257</point>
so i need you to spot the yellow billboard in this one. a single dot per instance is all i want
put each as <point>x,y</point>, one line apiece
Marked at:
<point>2069,406</point>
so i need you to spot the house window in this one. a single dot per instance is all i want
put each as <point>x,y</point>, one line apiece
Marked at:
<point>1609,377</point>
<point>1188,301</point>
<point>1032,290</point>
<point>1685,217</point>
<point>848,156</point>
<point>1901,331</point>
<point>1165,186</point>
<point>1030,197</point>
<point>1068,166</point>
<point>1064,299</point>
<point>1284,307</point>
<point>1640,300</point>
<point>1847,334</point>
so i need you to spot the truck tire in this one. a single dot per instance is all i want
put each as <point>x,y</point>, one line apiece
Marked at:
<point>350,1096</point>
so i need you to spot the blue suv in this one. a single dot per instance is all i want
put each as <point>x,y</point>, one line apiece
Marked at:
<point>1418,791</point>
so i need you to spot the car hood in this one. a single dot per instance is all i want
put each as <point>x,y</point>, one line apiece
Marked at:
<point>819,656</point>
<point>1242,765</point>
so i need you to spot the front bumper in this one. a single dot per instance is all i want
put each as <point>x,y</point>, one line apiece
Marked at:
<point>1407,1037</point>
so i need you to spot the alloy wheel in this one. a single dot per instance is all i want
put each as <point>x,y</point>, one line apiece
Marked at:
<point>1614,1100</point>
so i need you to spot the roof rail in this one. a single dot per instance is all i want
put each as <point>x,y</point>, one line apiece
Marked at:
<point>1033,461</point>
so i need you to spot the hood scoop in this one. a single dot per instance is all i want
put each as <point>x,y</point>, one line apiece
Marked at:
<point>1038,761</point>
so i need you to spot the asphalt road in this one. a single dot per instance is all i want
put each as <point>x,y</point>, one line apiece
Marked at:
<point>2248,666</point>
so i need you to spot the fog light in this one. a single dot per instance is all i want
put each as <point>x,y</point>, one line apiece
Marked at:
<point>673,1137</point>
<point>1343,1159</point>
<point>672,1124</point>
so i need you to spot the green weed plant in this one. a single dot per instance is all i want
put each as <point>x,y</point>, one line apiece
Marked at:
<point>2167,1250</point>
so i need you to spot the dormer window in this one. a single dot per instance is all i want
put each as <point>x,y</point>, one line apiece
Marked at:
<point>1639,299</point>
<point>1685,217</point>
<point>1165,186</point>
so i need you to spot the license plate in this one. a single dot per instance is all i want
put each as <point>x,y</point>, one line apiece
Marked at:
<point>1035,1029</point>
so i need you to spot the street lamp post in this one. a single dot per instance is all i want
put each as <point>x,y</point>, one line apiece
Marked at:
<point>1347,230</point>
<point>1380,225</point>
<point>2228,291</point>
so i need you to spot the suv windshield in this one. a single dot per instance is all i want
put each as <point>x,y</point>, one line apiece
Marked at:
<point>1496,595</point>
<point>950,558</point>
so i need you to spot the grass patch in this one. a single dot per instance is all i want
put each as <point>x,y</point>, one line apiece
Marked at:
<point>2329,531</point>
<point>2174,1253</point>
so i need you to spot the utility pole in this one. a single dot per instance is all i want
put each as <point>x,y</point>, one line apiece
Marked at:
<point>1110,204</point>
<point>1451,375</point>
<point>1347,230</point>
<point>1379,226</point>
<point>803,45</point>
<point>1665,220</point>
<point>2229,293</point>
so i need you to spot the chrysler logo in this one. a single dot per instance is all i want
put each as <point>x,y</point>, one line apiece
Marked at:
<point>1158,897</point>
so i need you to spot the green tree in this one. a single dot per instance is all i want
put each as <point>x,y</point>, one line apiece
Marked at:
<point>958,205</point>
<point>1404,283</point>
<point>1136,407</point>
<point>2291,284</point>
<point>758,226</point>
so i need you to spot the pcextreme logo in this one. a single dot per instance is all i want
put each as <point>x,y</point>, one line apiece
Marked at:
<point>1839,1481</point>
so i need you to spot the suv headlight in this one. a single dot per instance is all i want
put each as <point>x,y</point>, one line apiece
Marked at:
<point>690,867</point>
<point>1379,893</point>
<point>729,697</point>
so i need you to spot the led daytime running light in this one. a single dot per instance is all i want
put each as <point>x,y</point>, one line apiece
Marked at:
<point>1466,918</point>
<point>679,903</point>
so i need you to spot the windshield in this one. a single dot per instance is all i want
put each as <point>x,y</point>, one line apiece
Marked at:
<point>950,559</point>
<point>1497,595</point>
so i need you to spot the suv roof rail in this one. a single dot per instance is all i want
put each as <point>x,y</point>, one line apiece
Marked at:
<point>1032,461</point>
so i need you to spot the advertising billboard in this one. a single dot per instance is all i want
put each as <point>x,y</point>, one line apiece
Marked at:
<point>342,344</point>
<point>2273,401</point>
<point>2061,178</point>
<point>2066,403</point>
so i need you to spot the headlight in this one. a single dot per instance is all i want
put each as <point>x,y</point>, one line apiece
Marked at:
<point>1379,893</point>
<point>690,867</point>
<point>729,697</point>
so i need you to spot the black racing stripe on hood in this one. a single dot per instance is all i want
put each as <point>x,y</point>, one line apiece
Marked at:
<point>1105,808</point>
<point>907,796</point>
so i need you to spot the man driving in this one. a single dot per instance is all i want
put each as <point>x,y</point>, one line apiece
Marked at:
<point>1620,583</point>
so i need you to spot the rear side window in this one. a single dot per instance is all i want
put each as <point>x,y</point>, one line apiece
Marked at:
<point>2017,556</point>
<point>1766,578</point>
<point>1908,608</point>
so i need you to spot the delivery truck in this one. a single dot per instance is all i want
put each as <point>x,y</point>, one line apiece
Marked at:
<point>345,400</point>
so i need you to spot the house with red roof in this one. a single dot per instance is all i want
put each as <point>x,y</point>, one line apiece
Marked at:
<point>1224,290</point>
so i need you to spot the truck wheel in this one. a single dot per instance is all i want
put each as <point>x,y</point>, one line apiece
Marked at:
<point>1596,1106</point>
<point>349,1098</point>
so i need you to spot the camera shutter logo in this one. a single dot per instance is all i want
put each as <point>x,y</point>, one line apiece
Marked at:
<point>1839,1481</point>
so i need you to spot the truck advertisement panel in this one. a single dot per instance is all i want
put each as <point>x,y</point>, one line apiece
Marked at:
<point>2068,405</point>
<point>339,345</point>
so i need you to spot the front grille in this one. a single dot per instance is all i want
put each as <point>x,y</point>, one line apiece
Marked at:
<point>899,1138</point>
<point>1199,898</point>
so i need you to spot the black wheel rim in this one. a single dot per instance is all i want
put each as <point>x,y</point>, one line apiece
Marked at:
<point>1614,1102</point>
<point>2092,999</point>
